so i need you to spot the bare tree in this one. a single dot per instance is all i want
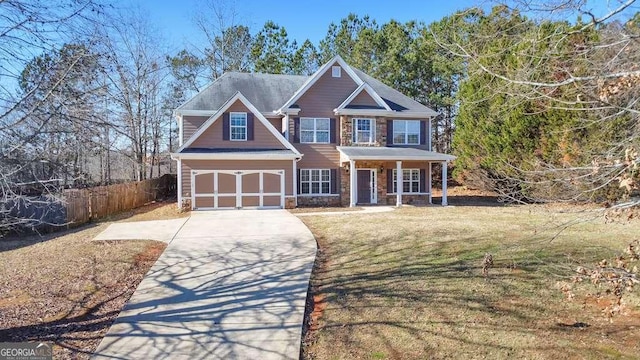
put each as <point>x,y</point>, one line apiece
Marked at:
<point>136,74</point>
<point>228,40</point>
<point>30,30</point>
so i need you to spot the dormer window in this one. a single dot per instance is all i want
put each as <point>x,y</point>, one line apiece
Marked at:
<point>336,71</point>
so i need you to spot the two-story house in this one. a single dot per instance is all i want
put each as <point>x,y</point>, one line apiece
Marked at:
<point>337,137</point>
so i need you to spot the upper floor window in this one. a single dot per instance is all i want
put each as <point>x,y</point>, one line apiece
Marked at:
<point>363,131</point>
<point>406,132</point>
<point>336,71</point>
<point>238,126</point>
<point>314,130</point>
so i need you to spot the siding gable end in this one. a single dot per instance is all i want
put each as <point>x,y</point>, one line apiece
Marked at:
<point>211,133</point>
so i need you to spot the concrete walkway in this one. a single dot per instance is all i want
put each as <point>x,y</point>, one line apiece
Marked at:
<point>230,285</point>
<point>160,230</point>
<point>365,210</point>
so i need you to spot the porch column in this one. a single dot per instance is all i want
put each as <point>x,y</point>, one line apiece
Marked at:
<point>444,183</point>
<point>352,181</point>
<point>179,177</point>
<point>429,183</point>
<point>399,183</point>
<point>295,181</point>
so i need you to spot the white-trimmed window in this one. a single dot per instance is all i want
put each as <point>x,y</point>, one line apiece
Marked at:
<point>315,181</point>
<point>314,130</point>
<point>363,131</point>
<point>406,132</point>
<point>410,181</point>
<point>238,126</point>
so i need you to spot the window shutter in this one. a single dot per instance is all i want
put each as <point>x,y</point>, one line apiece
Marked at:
<point>334,181</point>
<point>423,181</point>
<point>296,130</point>
<point>332,130</point>
<point>389,132</point>
<point>389,181</point>
<point>250,126</point>
<point>423,132</point>
<point>225,126</point>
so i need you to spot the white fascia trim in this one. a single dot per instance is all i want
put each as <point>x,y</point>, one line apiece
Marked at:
<point>437,157</point>
<point>374,95</point>
<point>238,96</point>
<point>232,156</point>
<point>180,129</point>
<point>394,114</point>
<point>403,158</point>
<point>212,112</point>
<point>313,78</point>
<point>194,112</point>
<point>290,111</point>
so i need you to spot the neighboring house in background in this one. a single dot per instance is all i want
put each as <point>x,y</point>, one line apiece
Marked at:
<point>338,137</point>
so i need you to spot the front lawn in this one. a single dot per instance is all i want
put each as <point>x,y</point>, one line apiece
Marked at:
<point>408,285</point>
<point>67,289</point>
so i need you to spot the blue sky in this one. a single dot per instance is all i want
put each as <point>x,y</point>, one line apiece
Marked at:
<point>302,19</point>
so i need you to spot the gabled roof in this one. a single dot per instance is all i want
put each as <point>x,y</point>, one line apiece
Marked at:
<point>396,100</point>
<point>317,75</point>
<point>218,114</point>
<point>265,91</point>
<point>366,88</point>
<point>271,93</point>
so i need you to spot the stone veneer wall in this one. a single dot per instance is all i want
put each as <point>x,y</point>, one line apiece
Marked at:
<point>346,131</point>
<point>408,199</point>
<point>315,201</point>
<point>289,203</point>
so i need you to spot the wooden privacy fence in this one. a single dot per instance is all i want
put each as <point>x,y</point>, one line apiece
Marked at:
<point>84,205</point>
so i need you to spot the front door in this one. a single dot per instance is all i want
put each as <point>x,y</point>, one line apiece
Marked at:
<point>366,186</point>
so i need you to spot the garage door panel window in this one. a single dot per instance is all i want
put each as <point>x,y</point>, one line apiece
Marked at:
<point>315,181</point>
<point>237,188</point>
<point>238,126</point>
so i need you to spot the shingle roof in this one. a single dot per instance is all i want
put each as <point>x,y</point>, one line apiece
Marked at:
<point>391,153</point>
<point>395,99</point>
<point>267,92</point>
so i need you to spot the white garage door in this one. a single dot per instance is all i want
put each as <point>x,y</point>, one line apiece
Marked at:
<point>237,189</point>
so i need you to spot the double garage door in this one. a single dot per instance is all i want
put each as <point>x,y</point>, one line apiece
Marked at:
<point>237,189</point>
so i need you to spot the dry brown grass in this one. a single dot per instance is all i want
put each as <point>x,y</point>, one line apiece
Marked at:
<point>302,210</point>
<point>408,285</point>
<point>65,288</point>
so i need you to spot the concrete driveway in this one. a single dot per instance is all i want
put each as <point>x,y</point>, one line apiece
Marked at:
<point>230,285</point>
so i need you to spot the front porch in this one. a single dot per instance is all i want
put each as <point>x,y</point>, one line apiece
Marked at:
<point>389,176</point>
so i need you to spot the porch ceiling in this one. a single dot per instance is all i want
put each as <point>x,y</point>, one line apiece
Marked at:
<point>390,154</point>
